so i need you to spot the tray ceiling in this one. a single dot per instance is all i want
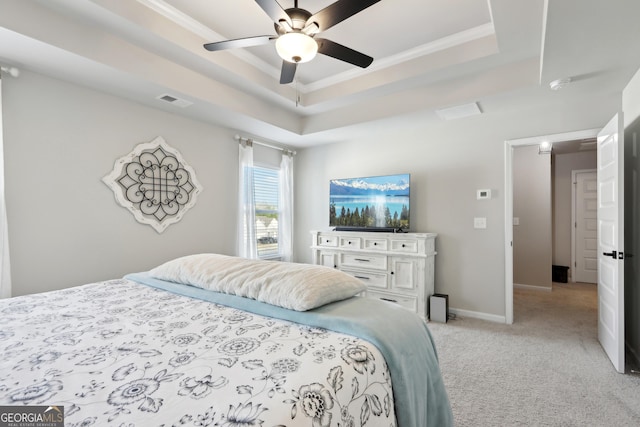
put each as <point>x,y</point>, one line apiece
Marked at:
<point>428,55</point>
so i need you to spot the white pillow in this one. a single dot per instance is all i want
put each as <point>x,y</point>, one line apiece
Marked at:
<point>294,286</point>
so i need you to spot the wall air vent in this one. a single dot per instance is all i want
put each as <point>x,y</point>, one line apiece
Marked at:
<point>182,103</point>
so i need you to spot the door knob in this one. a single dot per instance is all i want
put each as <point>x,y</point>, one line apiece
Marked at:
<point>612,254</point>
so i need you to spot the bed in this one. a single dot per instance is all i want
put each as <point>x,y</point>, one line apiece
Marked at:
<point>212,340</point>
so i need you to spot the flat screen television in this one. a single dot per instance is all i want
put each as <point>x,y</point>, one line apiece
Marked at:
<point>376,203</point>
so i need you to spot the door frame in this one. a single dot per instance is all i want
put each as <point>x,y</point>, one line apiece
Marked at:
<point>508,202</point>
<point>574,213</point>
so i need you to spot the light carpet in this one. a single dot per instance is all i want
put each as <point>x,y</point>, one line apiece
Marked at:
<point>547,369</point>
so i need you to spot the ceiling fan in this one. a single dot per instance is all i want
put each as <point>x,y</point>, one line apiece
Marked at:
<point>296,30</point>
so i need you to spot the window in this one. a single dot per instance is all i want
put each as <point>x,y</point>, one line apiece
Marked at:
<point>265,192</point>
<point>265,206</point>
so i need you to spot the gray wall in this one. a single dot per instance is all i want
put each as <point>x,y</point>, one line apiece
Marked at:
<point>65,227</point>
<point>532,206</point>
<point>563,165</point>
<point>448,162</point>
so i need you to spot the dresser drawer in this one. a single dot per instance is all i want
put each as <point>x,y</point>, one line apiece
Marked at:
<point>408,246</point>
<point>349,242</point>
<point>376,244</point>
<point>327,258</point>
<point>377,262</point>
<point>330,241</point>
<point>376,280</point>
<point>408,302</point>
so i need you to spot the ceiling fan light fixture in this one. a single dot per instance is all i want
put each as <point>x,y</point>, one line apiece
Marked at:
<point>296,47</point>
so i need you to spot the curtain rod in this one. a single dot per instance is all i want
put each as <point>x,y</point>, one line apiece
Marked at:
<point>12,71</point>
<point>264,144</point>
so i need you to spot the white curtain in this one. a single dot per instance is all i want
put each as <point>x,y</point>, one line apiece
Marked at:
<point>246,239</point>
<point>5,271</point>
<point>285,218</point>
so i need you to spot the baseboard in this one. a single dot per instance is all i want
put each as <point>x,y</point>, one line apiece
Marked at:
<point>493,317</point>
<point>532,288</point>
<point>478,315</point>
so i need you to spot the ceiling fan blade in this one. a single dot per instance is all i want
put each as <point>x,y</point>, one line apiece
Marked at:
<point>343,53</point>
<point>288,72</point>
<point>236,43</point>
<point>275,11</point>
<point>338,12</point>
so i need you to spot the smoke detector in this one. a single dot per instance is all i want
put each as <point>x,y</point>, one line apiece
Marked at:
<point>559,83</point>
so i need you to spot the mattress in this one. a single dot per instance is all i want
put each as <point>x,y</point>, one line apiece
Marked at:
<point>141,351</point>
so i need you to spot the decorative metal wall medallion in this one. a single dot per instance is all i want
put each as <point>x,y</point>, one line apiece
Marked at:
<point>154,183</point>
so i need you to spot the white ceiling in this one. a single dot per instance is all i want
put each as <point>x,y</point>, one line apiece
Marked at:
<point>428,55</point>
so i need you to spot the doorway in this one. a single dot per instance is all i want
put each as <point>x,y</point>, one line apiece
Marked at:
<point>508,232</point>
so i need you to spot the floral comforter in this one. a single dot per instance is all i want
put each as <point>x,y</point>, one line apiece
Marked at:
<point>120,353</point>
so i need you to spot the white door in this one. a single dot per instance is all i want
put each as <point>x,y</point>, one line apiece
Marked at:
<point>611,241</point>
<point>586,241</point>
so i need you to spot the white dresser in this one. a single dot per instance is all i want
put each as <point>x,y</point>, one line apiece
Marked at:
<point>397,267</point>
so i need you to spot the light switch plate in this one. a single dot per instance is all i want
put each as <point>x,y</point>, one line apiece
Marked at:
<point>479,222</point>
<point>516,220</point>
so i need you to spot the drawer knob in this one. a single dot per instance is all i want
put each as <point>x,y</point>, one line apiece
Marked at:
<point>349,243</point>
<point>403,245</point>
<point>392,272</point>
<point>375,243</point>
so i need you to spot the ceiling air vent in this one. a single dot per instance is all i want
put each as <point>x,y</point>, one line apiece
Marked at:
<point>459,111</point>
<point>182,103</point>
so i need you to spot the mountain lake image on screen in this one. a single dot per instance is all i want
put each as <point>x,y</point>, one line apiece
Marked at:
<point>370,202</point>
